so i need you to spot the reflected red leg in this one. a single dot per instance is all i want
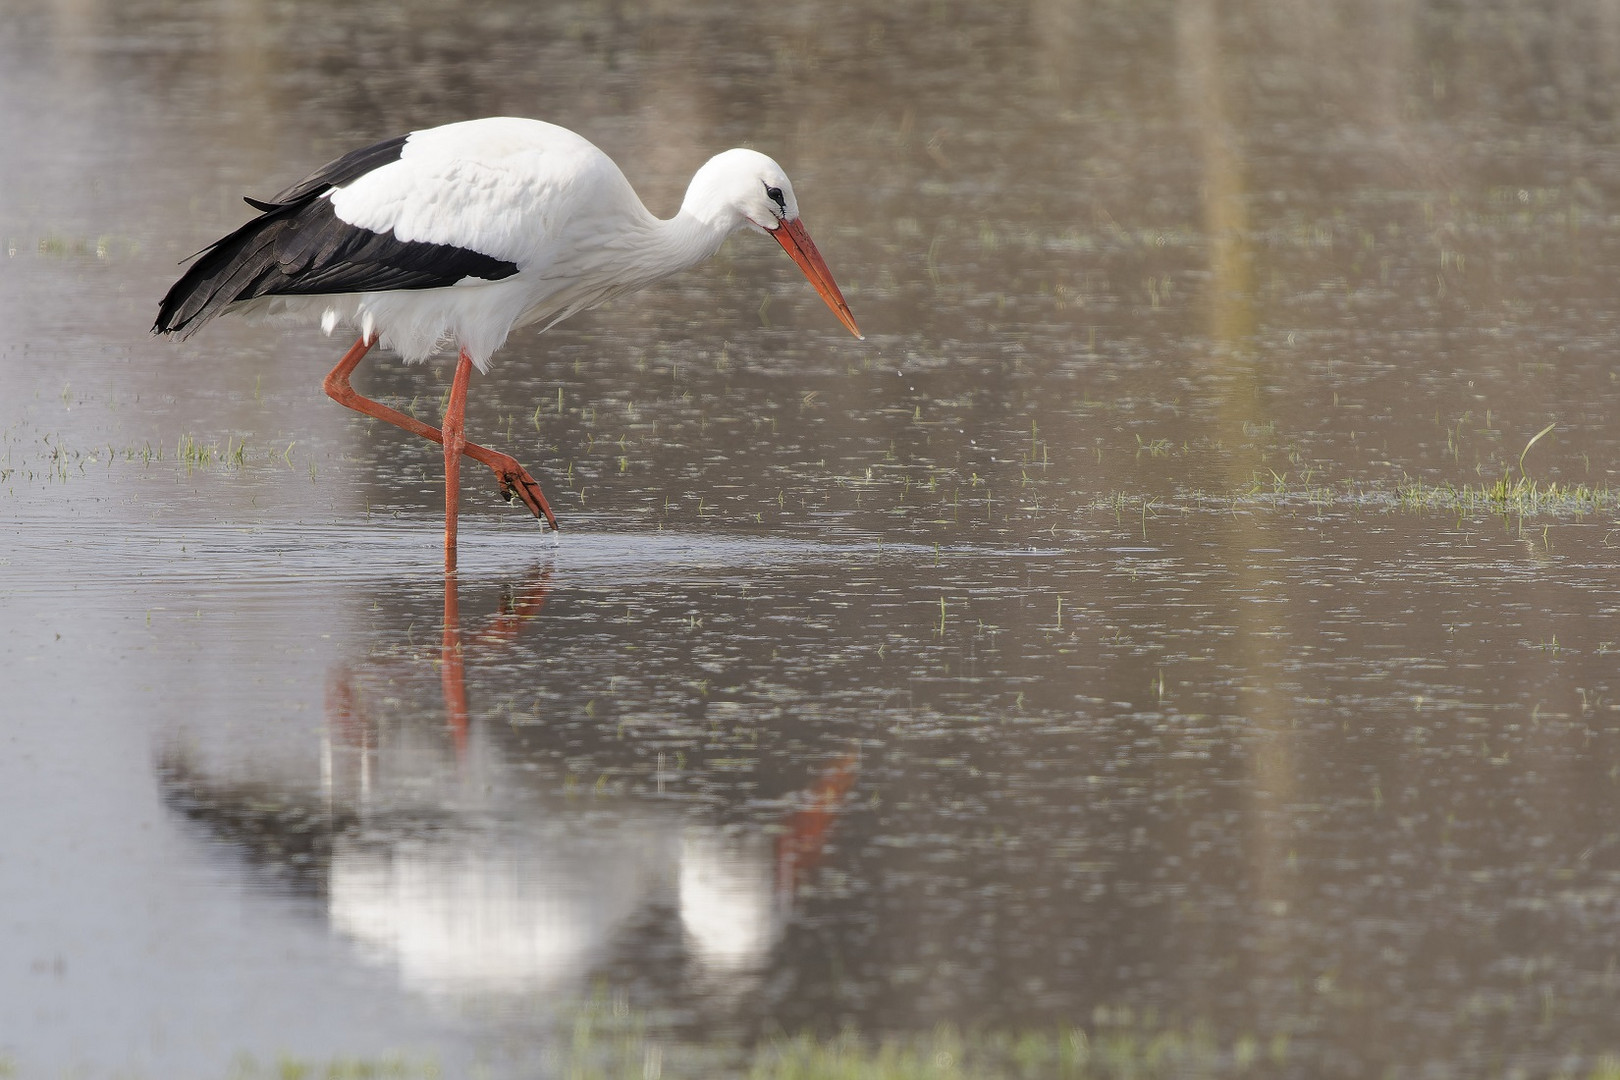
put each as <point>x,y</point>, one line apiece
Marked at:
<point>800,847</point>
<point>509,621</point>
<point>452,667</point>
<point>514,479</point>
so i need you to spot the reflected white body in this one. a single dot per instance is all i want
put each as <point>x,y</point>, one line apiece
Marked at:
<point>534,917</point>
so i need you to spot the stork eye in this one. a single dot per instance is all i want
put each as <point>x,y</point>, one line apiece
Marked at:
<point>775,195</point>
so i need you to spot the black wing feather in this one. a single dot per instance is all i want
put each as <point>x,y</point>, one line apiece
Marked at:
<point>351,166</point>
<point>299,246</point>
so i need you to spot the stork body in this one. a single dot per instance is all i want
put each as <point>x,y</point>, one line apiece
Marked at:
<point>459,234</point>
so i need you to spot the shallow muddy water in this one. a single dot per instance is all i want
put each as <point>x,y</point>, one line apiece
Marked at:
<point>1164,636</point>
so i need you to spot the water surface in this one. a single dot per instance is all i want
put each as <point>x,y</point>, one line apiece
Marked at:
<point>1122,639</point>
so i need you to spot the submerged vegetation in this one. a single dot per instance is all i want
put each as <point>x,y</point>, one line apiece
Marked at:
<point>197,454</point>
<point>395,1067</point>
<point>53,459</point>
<point>1521,497</point>
<point>607,1043</point>
<point>1105,1050</point>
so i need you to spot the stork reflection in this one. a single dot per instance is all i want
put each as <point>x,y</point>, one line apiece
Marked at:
<point>459,854</point>
<point>517,608</point>
<point>353,731</point>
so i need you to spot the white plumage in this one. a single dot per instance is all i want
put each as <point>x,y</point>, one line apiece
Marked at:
<point>530,193</point>
<point>459,234</point>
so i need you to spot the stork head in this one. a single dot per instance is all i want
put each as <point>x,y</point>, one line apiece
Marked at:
<point>740,188</point>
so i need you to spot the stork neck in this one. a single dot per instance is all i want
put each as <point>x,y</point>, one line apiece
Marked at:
<point>688,239</point>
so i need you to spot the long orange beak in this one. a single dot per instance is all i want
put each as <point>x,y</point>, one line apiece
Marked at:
<point>802,250</point>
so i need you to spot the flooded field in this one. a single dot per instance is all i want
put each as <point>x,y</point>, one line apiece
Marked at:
<point>1182,639</point>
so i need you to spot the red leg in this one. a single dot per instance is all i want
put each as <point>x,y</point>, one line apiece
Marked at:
<point>515,481</point>
<point>455,441</point>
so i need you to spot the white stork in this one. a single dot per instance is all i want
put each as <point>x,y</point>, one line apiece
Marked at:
<point>463,232</point>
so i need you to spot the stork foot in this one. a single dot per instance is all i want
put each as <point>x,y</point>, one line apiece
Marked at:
<point>518,485</point>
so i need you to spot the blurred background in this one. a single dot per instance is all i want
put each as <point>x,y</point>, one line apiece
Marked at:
<point>1179,640</point>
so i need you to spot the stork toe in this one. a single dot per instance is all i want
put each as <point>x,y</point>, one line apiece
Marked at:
<point>516,483</point>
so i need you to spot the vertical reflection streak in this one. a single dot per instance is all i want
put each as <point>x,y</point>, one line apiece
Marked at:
<point>1272,751</point>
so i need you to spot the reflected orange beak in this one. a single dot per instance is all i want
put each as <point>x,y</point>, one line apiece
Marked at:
<point>797,243</point>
